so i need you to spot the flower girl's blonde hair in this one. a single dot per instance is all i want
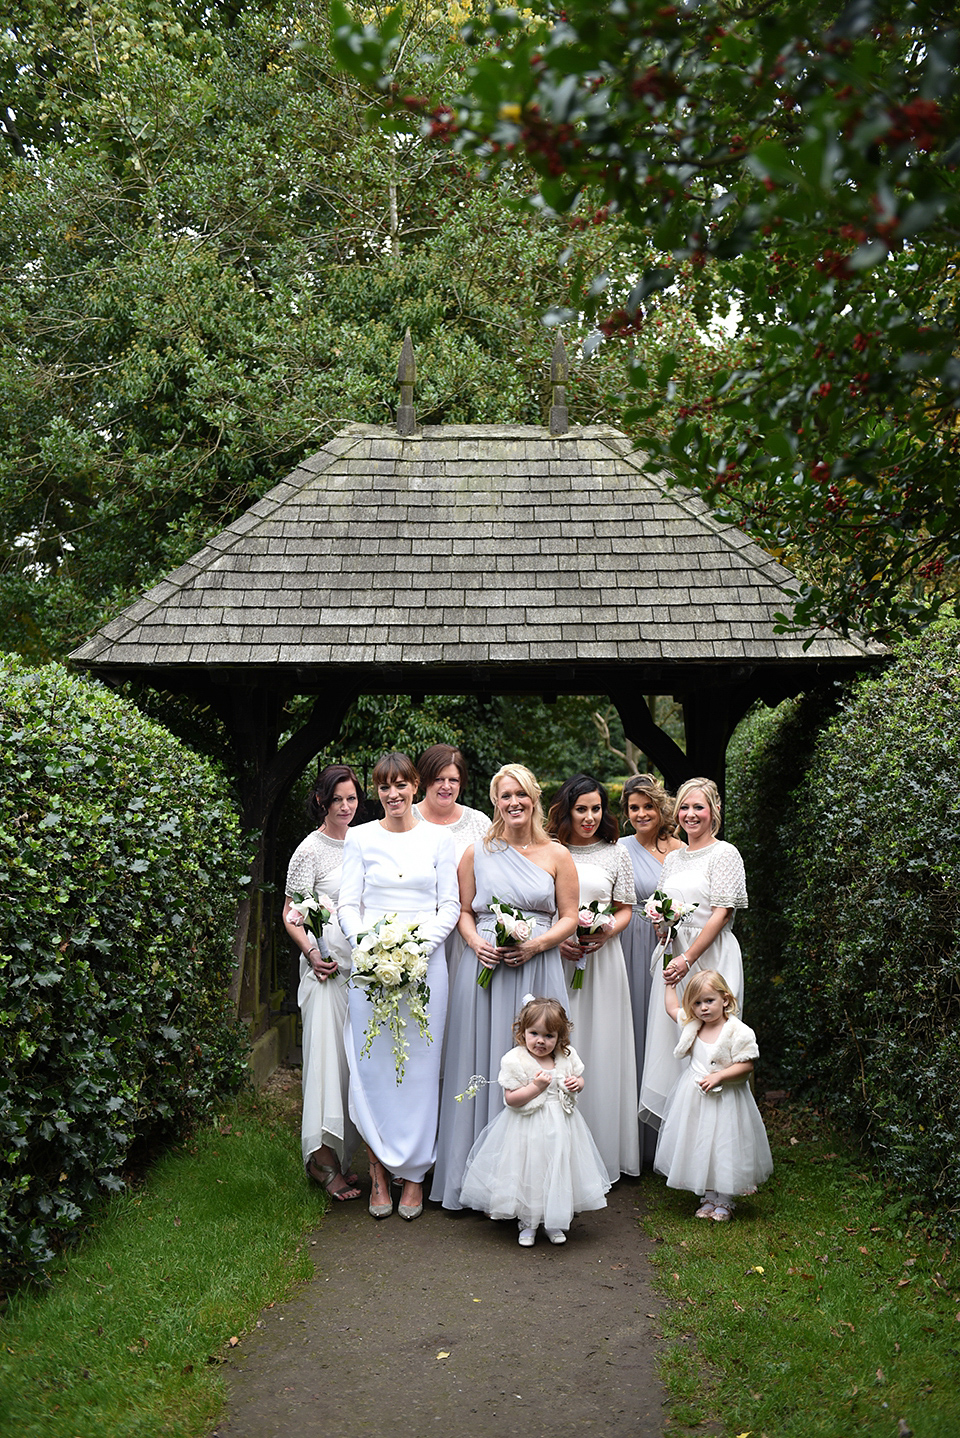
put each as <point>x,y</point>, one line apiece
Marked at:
<point>708,979</point>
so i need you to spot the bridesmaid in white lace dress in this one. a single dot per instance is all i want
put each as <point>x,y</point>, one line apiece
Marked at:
<point>327,1134</point>
<point>708,872</point>
<point>600,1012</point>
<point>648,809</point>
<point>443,778</point>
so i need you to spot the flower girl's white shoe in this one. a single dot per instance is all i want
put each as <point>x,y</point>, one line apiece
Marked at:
<point>556,1235</point>
<point>528,1237</point>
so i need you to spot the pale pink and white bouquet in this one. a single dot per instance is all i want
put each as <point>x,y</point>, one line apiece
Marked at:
<point>661,909</point>
<point>512,928</point>
<point>390,963</point>
<point>312,911</point>
<point>592,919</point>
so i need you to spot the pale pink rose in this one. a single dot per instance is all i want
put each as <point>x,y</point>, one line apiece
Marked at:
<point>585,918</point>
<point>521,931</point>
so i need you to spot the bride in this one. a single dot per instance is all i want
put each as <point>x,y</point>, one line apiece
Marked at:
<point>398,865</point>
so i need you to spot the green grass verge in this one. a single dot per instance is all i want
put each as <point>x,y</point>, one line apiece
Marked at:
<point>128,1339</point>
<point>826,1308</point>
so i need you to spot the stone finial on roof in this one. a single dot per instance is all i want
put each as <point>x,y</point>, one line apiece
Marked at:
<point>406,379</point>
<point>559,374</point>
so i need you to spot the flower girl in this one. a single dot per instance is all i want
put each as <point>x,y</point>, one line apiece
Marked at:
<point>712,1140</point>
<point>537,1161</point>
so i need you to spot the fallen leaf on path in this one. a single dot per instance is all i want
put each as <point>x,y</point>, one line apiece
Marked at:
<point>234,1341</point>
<point>443,1355</point>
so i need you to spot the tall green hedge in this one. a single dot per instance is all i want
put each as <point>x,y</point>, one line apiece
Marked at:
<point>121,864</point>
<point>852,843</point>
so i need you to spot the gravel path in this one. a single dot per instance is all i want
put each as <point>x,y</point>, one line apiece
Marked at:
<point>446,1325</point>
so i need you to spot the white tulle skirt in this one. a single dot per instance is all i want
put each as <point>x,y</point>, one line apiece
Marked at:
<point>712,1140</point>
<point>537,1167</point>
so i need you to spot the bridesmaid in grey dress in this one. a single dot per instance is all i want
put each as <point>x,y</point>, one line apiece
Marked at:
<point>646,806</point>
<point>520,864</point>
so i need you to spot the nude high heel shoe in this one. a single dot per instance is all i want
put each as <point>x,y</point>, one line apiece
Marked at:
<point>379,1180</point>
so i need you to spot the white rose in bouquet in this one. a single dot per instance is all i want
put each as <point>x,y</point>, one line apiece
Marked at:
<point>390,963</point>
<point>389,971</point>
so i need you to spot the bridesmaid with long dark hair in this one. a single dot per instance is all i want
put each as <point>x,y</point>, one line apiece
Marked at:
<point>599,1010</point>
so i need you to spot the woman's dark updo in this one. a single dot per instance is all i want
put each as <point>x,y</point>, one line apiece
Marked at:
<point>318,803</point>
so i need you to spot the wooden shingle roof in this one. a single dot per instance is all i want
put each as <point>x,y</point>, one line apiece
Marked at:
<point>466,547</point>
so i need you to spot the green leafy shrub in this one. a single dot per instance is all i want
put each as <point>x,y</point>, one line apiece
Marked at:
<point>866,864</point>
<point>767,766</point>
<point>121,865</point>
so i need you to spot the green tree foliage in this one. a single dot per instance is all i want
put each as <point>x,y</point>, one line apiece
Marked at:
<point>859,870</point>
<point>121,869</point>
<point>803,160</point>
<point>554,738</point>
<point>207,264</point>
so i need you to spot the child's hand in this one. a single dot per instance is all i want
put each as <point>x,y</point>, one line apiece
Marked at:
<point>711,1081</point>
<point>573,1082</point>
<point>542,1078</point>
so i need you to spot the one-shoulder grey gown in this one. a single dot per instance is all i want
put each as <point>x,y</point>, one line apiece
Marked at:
<point>480,1021</point>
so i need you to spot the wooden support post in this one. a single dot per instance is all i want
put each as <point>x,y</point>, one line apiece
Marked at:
<point>253,717</point>
<point>639,726</point>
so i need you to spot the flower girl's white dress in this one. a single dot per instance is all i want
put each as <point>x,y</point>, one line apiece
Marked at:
<point>713,1140</point>
<point>538,1163</point>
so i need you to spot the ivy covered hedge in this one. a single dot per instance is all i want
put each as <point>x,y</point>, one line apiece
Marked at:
<point>851,837</point>
<point>121,864</point>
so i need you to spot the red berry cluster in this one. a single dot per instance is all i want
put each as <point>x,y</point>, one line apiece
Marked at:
<point>833,263</point>
<point>918,122</point>
<point>443,123</point>
<point>547,141</point>
<point>620,323</point>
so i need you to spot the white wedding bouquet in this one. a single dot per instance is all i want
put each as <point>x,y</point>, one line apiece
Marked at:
<point>312,911</point>
<point>670,914</point>
<point>390,963</point>
<point>591,919</point>
<point>513,928</point>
